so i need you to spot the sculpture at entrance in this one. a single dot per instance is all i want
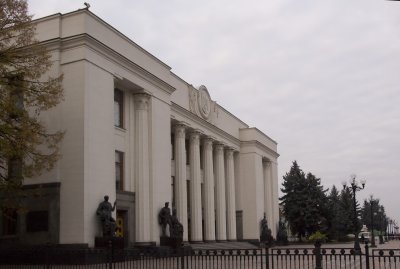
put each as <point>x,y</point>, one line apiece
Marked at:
<point>282,236</point>
<point>164,219</point>
<point>104,212</point>
<point>175,237</point>
<point>176,228</point>
<point>266,234</point>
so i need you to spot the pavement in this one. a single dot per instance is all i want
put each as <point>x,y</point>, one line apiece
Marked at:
<point>393,244</point>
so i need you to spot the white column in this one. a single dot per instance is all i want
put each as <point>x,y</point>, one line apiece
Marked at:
<point>220,192</point>
<point>274,195</point>
<point>180,178</point>
<point>268,199</point>
<point>195,189</point>
<point>209,207</point>
<point>230,195</point>
<point>142,169</point>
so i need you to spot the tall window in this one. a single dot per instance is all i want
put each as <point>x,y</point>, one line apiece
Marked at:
<point>9,221</point>
<point>119,170</point>
<point>118,108</point>
<point>172,146</point>
<point>173,192</point>
<point>37,221</point>
<point>187,148</point>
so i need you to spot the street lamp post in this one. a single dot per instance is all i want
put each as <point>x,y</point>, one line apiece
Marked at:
<point>371,201</point>
<point>387,229</point>
<point>391,232</point>
<point>380,212</point>
<point>354,186</point>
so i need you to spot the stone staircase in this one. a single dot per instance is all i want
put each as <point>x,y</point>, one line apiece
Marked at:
<point>224,245</point>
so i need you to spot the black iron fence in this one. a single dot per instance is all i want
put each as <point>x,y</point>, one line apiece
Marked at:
<point>185,258</point>
<point>385,258</point>
<point>316,258</point>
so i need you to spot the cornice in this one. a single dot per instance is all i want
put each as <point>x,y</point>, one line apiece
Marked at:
<point>260,132</point>
<point>106,25</point>
<point>205,124</point>
<point>110,54</point>
<point>260,146</point>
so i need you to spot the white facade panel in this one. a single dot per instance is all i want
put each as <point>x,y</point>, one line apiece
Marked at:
<point>160,112</point>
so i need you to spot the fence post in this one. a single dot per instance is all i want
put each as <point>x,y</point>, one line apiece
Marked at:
<point>366,256</point>
<point>182,251</point>
<point>318,256</point>
<point>46,256</point>
<point>110,252</point>
<point>267,257</point>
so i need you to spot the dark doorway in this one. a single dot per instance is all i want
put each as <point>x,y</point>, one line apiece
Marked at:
<point>122,226</point>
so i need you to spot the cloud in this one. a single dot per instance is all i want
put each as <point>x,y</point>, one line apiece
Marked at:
<point>319,77</point>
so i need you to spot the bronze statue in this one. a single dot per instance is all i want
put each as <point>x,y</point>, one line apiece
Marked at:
<point>266,234</point>
<point>164,219</point>
<point>264,229</point>
<point>282,236</point>
<point>176,228</point>
<point>104,212</point>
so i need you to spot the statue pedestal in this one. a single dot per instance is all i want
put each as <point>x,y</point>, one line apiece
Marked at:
<point>104,242</point>
<point>164,241</point>
<point>170,242</point>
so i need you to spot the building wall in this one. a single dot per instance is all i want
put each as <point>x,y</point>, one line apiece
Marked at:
<point>72,163</point>
<point>95,58</point>
<point>98,144</point>
<point>160,161</point>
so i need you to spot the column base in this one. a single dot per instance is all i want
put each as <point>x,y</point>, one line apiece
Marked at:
<point>210,241</point>
<point>108,241</point>
<point>232,240</point>
<point>145,244</point>
<point>196,242</point>
<point>222,241</point>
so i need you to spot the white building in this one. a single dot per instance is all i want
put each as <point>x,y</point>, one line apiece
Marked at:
<point>140,134</point>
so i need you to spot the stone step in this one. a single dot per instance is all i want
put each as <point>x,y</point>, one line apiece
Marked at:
<point>224,245</point>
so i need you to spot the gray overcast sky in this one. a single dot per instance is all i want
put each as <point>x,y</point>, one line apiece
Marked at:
<point>319,77</point>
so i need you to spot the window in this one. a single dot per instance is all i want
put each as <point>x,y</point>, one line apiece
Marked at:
<point>119,170</point>
<point>201,157</point>
<point>37,221</point>
<point>173,192</point>
<point>16,95</point>
<point>15,169</point>
<point>9,220</point>
<point>172,146</point>
<point>118,108</point>
<point>187,148</point>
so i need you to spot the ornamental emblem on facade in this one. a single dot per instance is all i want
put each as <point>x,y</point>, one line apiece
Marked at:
<point>204,101</point>
<point>201,104</point>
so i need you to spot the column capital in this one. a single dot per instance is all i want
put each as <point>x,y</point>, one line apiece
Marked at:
<point>180,129</point>
<point>141,101</point>
<point>266,161</point>
<point>208,139</point>
<point>219,146</point>
<point>229,152</point>
<point>195,134</point>
<point>195,137</point>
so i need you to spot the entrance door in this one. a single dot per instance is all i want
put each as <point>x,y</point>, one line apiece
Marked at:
<point>122,230</point>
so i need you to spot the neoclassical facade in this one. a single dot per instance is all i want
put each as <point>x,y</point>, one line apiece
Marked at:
<point>139,133</point>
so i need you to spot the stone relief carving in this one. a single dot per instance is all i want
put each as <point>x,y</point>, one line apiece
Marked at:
<point>200,103</point>
<point>193,100</point>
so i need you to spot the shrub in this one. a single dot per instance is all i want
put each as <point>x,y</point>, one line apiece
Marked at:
<point>318,236</point>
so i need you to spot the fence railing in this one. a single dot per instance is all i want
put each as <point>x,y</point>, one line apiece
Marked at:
<point>186,258</point>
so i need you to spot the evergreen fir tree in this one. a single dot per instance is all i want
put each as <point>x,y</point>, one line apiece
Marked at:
<point>346,214</point>
<point>304,202</point>
<point>333,213</point>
